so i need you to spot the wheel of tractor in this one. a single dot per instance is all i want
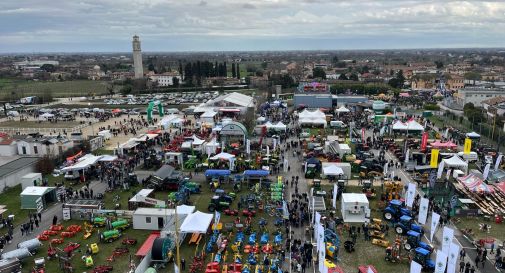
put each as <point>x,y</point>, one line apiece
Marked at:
<point>399,230</point>
<point>407,246</point>
<point>388,216</point>
<point>211,208</point>
<point>109,240</point>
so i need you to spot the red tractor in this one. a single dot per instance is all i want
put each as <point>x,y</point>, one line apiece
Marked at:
<point>103,269</point>
<point>231,212</point>
<point>248,213</point>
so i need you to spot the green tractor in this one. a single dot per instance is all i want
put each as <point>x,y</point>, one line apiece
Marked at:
<point>99,221</point>
<point>120,224</point>
<point>219,203</point>
<point>110,236</point>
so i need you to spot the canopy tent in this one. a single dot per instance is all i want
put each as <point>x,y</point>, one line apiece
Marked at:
<point>438,95</point>
<point>278,127</point>
<point>342,109</point>
<point>256,173</point>
<point>213,173</point>
<point>197,222</point>
<point>455,162</point>
<point>475,184</point>
<point>108,158</point>
<point>398,125</point>
<point>211,146</point>
<point>83,163</point>
<point>332,170</point>
<point>185,209</point>
<point>209,114</point>
<point>500,186</point>
<point>197,141</point>
<point>37,197</point>
<point>223,155</point>
<point>472,135</point>
<point>413,125</point>
<point>170,120</point>
<point>316,117</point>
<point>261,119</point>
<point>443,145</point>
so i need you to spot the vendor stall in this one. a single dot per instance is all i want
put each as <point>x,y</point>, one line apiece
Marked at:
<point>197,222</point>
<point>475,184</point>
<point>37,197</point>
<point>455,162</point>
<point>443,145</point>
<point>355,208</point>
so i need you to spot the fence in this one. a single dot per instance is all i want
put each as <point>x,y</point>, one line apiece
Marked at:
<point>13,130</point>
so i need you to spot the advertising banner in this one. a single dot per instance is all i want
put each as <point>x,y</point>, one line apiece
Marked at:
<point>423,210</point>
<point>447,236</point>
<point>435,217</point>
<point>434,158</point>
<point>411,194</point>
<point>424,141</point>
<point>468,146</point>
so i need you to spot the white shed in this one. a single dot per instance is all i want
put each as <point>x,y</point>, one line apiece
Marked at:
<point>158,218</point>
<point>343,149</point>
<point>31,179</point>
<point>355,208</point>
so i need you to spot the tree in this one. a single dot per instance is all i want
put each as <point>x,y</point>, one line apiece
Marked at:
<point>342,77</point>
<point>238,71</point>
<point>126,89</point>
<point>45,165</point>
<point>354,77</point>
<point>439,64</point>
<point>264,65</point>
<point>150,67</point>
<point>175,81</point>
<point>233,71</point>
<point>334,60</point>
<point>47,96</point>
<point>398,81</point>
<point>48,68</point>
<point>318,72</point>
<point>225,70</point>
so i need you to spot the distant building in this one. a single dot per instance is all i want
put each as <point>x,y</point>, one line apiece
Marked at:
<point>42,146</point>
<point>8,145</point>
<point>12,168</point>
<point>137,58</point>
<point>166,79</point>
<point>455,82</point>
<point>313,95</point>
<point>36,64</point>
<point>495,106</point>
<point>477,95</point>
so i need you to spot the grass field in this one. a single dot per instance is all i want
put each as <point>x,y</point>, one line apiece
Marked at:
<point>36,124</point>
<point>58,89</point>
<point>13,206</point>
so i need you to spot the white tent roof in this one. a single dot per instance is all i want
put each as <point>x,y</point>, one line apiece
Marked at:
<point>222,155</point>
<point>33,190</point>
<point>269,124</point>
<point>142,192</point>
<point>354,198</point>
<point>237,98</point>
<point>455,161</point>
<point>311,114</point>
<point>280,125</point>
<point>197,222</point>
<point>414,126</point>
<point>184,209</point>
<point>332,170</point>
<point>342,109</point>
<point>261,119</point>
<point>398,125</point>
<point>197,141</point>
<point>47,115</point>
<point>84,162</point>
<point>108,158</point>
<point>208,114</point>
<point>472,134</point>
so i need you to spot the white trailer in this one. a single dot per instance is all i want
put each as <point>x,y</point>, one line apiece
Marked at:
<point>30,180</point>
<point>355,208</point>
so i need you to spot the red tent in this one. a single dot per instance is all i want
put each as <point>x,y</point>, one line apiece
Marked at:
<point>500,186</point>
<point>443,145</point>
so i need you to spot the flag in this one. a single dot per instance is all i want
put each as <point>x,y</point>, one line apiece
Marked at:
<point>411,193</point>
<point>335,189</point>
<point>440,169</point>
<point>435,217</point>
<point>447,237</point>
<point>275,143</point>
<point>486,171</point>
<point>453,258</point>
<point>424,141</point>
<point>468,146</point>
<point>441,262</point>
<point>407,156</point>
<point>415,267</point>
<point>268,150</point>
<point>386,168</point>
<point>363,135</point>
<point>434,158</point>
<point>423,210</point>
<point>446,134</point>
<point>448,174</point>
<point>498,162</point>
<point>217,217</point>
<point>248,146</point>
<point>285,210</point>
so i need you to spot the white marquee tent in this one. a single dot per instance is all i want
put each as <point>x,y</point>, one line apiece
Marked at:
<point>312,117</point>
<point>332,170</point>
<point>455,162</point>
<point>342,109</point>
<point>197,222</point>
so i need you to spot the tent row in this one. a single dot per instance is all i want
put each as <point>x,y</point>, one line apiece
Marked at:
<point>410,125</point>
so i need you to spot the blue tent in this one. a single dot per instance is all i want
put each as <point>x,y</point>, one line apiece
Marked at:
<point>256,173</point>
<point>217,172</point>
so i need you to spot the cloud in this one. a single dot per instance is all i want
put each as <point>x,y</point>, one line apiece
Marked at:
<point>168,24</point>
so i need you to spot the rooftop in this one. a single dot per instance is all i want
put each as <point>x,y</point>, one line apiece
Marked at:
<point>494,101</point>
<point>15,165</point>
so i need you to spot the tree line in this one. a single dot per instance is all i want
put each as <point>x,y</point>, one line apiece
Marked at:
<point>194,72</point>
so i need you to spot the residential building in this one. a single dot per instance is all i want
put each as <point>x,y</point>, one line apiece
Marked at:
<point>8,146</point>
<point>313,95</point>
<point>166,79</point>
<point>13,168</point>
<point>495,106</point>
<point>477,95</point>
<point>455,82</point>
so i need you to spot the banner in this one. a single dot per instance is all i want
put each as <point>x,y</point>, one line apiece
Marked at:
<point>317,221</point>
<point>434,158</point>
<point>453,258</point>
<point>275,143</point>
<point>285,165</point>
<point>440,169</point>
<point>268,150</point>
<point>498,162</point>
<point>441,262</point>
<point>446,134</point>
<point>415,267</point>
<point>382,131</point>
<point>321,249</point>
<point>217,217</point>
<point>335,190</point>
<point>386,168</point>
<point>407,156</point>
<point>468,146</point>
<point>486,171</point>
<point>447,237</point>
<point>411,194</point>
<point>435,217</point>
<point>432,178</point>
<point>248,146</point>
<point>423,211</point>
<point>424,141</point>
<point>363,135</point>
<point>285,211</point>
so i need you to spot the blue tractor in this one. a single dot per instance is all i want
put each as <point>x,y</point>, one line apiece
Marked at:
<point>422,257</point>
<point>395,210</point>
<point>414,241</point>
<point>405,224</point>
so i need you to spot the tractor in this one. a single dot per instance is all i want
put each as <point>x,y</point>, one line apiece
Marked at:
<point>193,187</point>
<point>121,224</point>
<point>110,235</point>
<point>395,210</point>
<point>368,189</point>
<point>219,203</point>
<point>414,241</point>
<point>406,224</point>
<point>422,257</point>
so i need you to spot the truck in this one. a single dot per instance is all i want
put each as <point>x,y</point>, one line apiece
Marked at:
<point>165,178</point>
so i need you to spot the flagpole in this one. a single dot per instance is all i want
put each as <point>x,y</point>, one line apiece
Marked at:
<point>177,257</point>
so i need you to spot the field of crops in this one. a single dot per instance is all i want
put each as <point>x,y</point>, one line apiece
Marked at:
<point>11,88</point>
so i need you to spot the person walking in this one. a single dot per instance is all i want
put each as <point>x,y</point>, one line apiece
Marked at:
<point>461,266</point>
<point>462,254</point>
<point>55,220</point>
<point>477,260</point>
<point>472,270</point>
<point>183,264</point>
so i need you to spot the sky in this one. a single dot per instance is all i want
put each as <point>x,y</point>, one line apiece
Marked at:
<point>242,25</point>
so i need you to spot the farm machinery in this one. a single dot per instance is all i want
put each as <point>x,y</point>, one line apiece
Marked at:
<point>368,189</point>
<point>414,241</point>
<point>120,224</point>
<point>394,253</point>
<point>110,235</point>
<point>395,210</point>
<point>99,221</point>
<point>406,224</point>
<point>422,257</point>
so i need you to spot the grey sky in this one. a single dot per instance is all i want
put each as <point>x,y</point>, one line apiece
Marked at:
<point>182,25</point>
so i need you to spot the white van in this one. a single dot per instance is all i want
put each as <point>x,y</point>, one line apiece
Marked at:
<point>472,156</point>
<point>72,175</point>
<point>337,124</point>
